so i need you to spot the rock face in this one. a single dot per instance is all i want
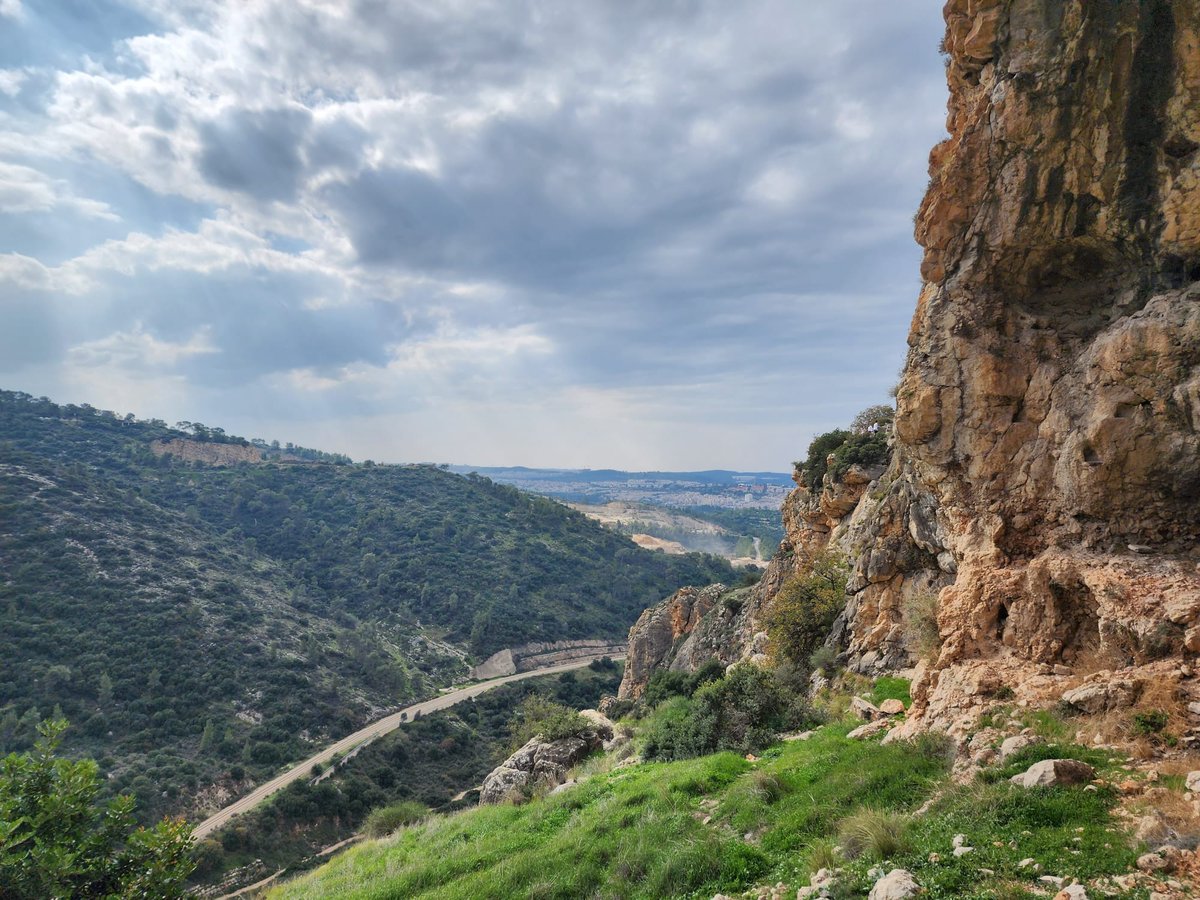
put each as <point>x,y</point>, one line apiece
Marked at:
<point>208,452</point>
<point>653,637</point>
<point>539,655</point>
<point>1049,413</point>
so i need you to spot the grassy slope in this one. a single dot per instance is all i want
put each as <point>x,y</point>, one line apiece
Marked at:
<point>639,832</point>
<point>428,760</point>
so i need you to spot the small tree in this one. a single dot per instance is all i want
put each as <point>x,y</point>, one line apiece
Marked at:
<point>56,842</point>
<point>881,414</point>
<point>813,466</point>
<point>804,609</point>
<point>538,716</point>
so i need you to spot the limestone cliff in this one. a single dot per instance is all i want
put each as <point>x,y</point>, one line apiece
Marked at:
<point>208,452</point>
<point>1048,424</point>
<point>1045,484</point>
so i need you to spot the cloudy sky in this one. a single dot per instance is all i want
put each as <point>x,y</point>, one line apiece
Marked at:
<point>662,234</point>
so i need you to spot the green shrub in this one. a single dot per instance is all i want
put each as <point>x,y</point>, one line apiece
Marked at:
<point>921,631</point>
<point>56,841</point>
<point>1150,723</point>
<point>824,660</point>
<point>538,716</point>
<point>806,606</point>
<point>742,711</point>
<point>861,450</point>
<point>812,469</point>
<point>664,683</point>
<point>386,819</point>
<point>875,834</point>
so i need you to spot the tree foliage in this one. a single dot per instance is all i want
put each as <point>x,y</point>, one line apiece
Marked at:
<point>813,466</point>
<point>538,716</point>
<point>742,711</point>
<point>805,608</point>
<point>56,841</point>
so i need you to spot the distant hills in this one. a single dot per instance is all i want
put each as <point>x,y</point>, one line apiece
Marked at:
<point>679,490</point>
<point>201,624</point>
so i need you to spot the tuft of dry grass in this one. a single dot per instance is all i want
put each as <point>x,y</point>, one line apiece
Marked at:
<point>875,834</point>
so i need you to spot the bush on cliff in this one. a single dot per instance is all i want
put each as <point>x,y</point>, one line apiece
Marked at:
<point>859,450</point>
<point>665,684</point>
<point>812,468</point>
<point>805,608</point>
<point>552,721</point>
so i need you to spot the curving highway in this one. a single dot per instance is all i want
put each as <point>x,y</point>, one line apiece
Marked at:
<point>374,730</point>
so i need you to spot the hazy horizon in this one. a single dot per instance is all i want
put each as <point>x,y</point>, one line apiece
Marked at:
<point>668,237</point>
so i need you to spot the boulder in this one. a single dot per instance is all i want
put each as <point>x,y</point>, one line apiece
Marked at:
<point>539,763</point>
<point>897,884</point>
<point>869,730</point>
<point>891,707</point>
<point>865,709</point>
<point>1193,782</point>
<point>600,722</point>
<point>1055,773</point>
<point>1098,697</point>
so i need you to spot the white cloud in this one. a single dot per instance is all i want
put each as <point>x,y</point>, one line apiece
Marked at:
<point>139,349</point>
<point>11,81</point>
<point>24,190</point>
<point>11,9</point>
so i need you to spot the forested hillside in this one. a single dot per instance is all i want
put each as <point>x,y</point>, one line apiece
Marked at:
<point>202,625</point>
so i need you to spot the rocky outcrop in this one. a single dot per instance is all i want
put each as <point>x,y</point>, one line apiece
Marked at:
<point>653,638</point>
<point>210,453</point>
<point>543,764</point>
<point>541,654</point>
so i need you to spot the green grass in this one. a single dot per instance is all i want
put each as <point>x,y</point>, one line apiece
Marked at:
<point>639,832</point>
<point>890,688</point>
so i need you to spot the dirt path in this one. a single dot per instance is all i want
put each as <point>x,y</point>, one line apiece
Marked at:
<point>372,731</point>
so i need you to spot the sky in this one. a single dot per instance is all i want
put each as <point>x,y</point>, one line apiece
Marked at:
<point>562,233</point>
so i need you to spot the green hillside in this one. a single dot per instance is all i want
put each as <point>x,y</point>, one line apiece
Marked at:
<point>200,625</point>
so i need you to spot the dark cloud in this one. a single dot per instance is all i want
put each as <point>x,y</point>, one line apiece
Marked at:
<point>256,152</point>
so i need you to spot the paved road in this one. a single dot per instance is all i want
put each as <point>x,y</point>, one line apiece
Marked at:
<point>374,730</point>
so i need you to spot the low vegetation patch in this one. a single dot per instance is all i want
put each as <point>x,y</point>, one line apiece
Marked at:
<point>387,819</point>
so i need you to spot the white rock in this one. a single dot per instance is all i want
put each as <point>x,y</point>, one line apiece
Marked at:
<point>897,884</point>
<point>1027,862</point>
<point>1193,782</point>
<point>1052,879</point>
<point>959,840</point>
<point>1055,772</point>
<point>869,730</point>
<point>1151,862</point>
<point>1014,745</point>
<point>963,851</point>
<point>1072,892</point>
